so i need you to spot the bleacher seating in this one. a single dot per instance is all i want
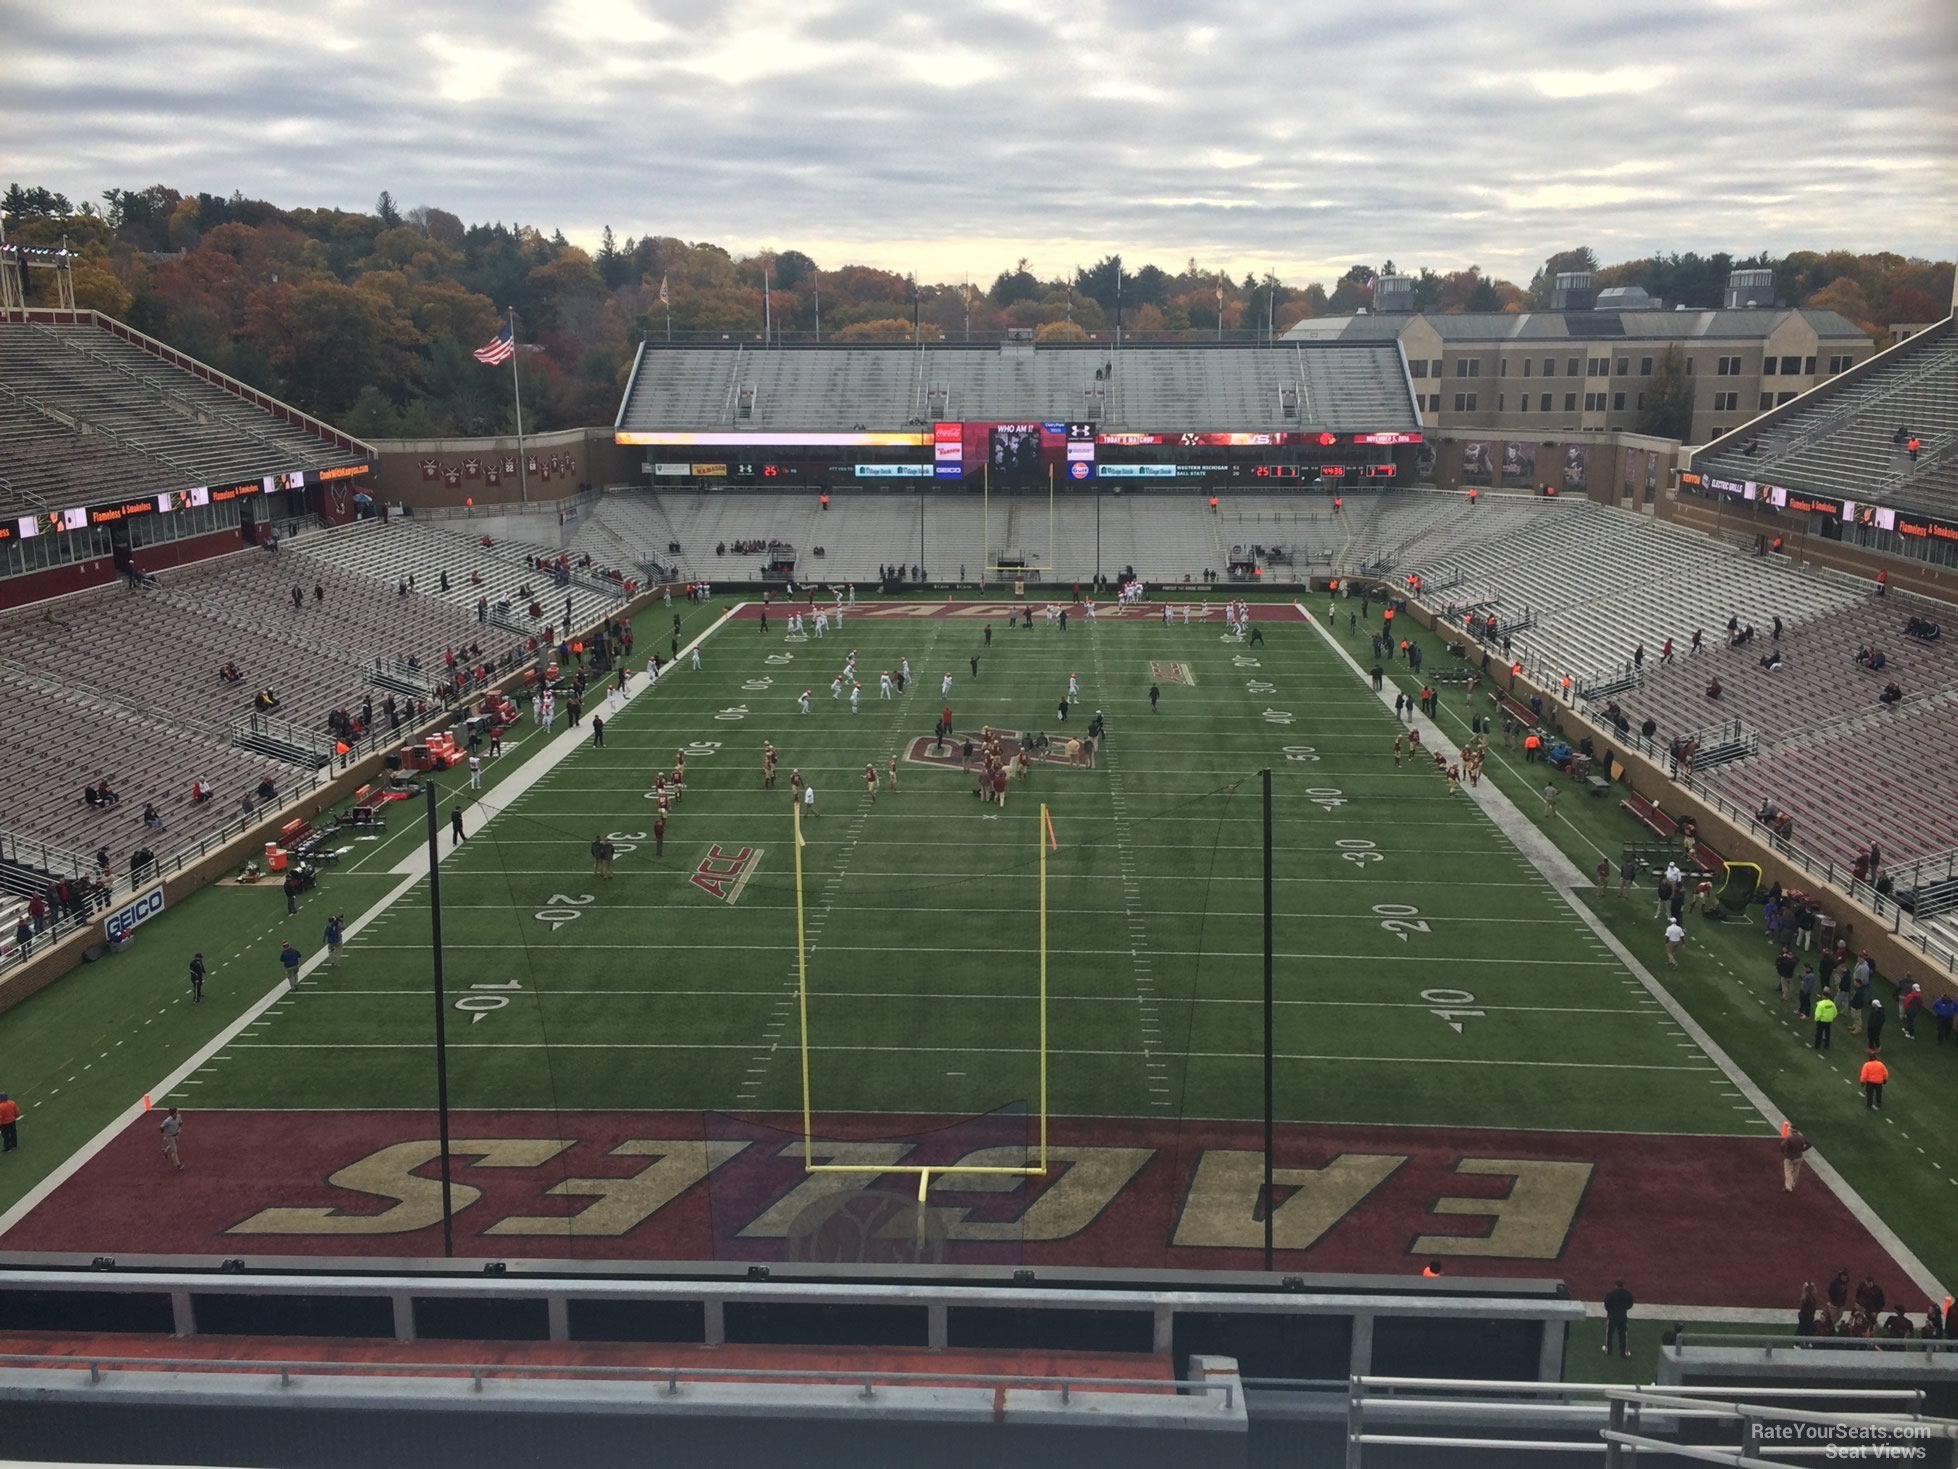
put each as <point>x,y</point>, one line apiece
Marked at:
<point>1166,538</point>
<point>1842,440</point>
<point>1599,582</point>
<point>1886,778</point>
<point>125,685</point>
<point>87,412</point>
<point>1287,387</point>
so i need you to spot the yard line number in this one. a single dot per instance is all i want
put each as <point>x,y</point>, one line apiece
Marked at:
<point>1401,920</point>
<point>564,909</point>
<point>1446,1003</point>
<point>476,1004</point>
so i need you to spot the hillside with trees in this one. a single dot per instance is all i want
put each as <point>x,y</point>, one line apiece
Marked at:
<point>369,319</point>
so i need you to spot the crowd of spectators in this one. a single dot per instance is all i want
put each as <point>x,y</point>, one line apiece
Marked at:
<point>1858,1311</point>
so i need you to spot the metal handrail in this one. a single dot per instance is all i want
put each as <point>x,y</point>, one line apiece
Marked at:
<point>1823,1343</point>
<point>672,1374</point>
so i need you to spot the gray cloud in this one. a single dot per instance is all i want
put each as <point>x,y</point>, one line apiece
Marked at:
<point>950,140</point>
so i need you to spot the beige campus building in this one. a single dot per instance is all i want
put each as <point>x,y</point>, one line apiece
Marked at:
<point>1586,367</point>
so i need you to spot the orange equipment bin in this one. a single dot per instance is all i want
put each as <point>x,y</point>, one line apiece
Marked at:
<point>275,857</point>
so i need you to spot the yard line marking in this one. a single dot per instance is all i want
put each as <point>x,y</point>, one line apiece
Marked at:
<point>412,870</point>
<point>751,1090</point>
<point>1564,874</point>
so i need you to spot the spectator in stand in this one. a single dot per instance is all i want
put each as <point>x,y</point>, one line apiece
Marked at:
<point>104,794</point>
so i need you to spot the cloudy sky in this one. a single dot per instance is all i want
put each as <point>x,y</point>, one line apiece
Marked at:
<point>951,139</point>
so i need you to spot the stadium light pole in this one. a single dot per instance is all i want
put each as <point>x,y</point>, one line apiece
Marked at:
<point>1270,1007</point>
<point>441,1022</point>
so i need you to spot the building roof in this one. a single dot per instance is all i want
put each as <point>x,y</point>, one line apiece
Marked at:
<point>1746,324</point>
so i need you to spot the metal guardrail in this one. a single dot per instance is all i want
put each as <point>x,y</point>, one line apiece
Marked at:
<point>1825,870</point>
<point>670,1376</point>
<point>1612,1415</point>
<point>1785,1341</point>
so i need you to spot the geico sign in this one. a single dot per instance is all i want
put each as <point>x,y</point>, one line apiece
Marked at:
<point>118,925</point>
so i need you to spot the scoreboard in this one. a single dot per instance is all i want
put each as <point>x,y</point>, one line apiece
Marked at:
<point>1029,454</point>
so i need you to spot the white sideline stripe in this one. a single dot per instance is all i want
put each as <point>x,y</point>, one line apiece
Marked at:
<point>75,1161</point>
<point>538,764</point>
<point>1562,873</point>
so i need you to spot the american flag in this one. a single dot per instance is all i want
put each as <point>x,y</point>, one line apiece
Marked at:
<point>499,349</point>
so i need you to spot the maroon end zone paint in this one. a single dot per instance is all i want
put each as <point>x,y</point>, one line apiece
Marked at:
<point>1687,1220</point>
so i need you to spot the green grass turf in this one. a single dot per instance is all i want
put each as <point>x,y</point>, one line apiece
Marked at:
<point>657,995</point>
<point>645,992</point>
<point>1902,1161</point>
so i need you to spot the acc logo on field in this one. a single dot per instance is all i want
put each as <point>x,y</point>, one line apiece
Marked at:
<point>132,915</point>
<point>724,874</point>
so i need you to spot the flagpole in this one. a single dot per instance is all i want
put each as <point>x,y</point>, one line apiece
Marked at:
<point>516,386</point>
<point>816,281</point>
<point>767,313</point>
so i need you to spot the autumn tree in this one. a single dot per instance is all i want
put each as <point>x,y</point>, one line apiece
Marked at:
<point>1545,279</point>
<point>1668,411</point>
<point>1845,297</point>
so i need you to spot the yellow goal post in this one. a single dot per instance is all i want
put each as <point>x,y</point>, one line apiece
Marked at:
<point>1044,841</point>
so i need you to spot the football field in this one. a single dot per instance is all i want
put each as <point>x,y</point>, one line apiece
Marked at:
<point>1466,1065</point>
<point>1425,972</point>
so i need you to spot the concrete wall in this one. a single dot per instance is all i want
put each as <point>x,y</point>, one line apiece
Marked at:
<point>1610,468</point>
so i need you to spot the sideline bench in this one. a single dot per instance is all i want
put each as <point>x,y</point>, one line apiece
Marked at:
<point>1647,814</point>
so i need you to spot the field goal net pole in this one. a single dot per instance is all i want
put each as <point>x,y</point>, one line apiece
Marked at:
<point>986,562</point>
<point>1044,839</point>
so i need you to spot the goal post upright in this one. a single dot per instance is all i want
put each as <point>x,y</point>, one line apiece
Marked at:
<point>1041,836</point>
<point>802,980</point>
<point>926,1172</point>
